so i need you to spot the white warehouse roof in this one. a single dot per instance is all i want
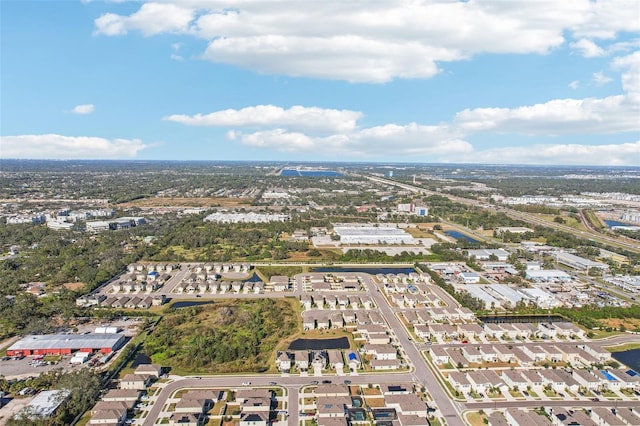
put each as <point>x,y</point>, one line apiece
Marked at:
<point>71,341</point>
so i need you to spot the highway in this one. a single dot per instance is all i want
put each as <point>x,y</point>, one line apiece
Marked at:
<point>515,214</point>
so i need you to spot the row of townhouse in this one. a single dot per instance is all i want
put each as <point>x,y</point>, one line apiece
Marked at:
<point>202,287</point>
<point>597,416</point>
<point>135,302</point>
<point>437,315</point>
<point>575,380</point>
<point>302,360</point>
<point>152,267</point>
<point>160,277</point>
<point>402,278</point>
<point>316,281</point>
<point>115,406</point>
<point>220,268</point>
<point>526,330</point>
<point>517,417</point>
<point>526,355</point>
<point>413,300</point>
<point>136,286</point>
<point>336,301</point>
<point>325,319</point>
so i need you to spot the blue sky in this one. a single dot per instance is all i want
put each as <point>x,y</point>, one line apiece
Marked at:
<point>527,82</point>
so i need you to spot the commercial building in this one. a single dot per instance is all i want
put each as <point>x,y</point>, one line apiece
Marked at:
<point>373,235</point>
<point>46,403</point>
<point>65,344</point>
<point>577,262</point>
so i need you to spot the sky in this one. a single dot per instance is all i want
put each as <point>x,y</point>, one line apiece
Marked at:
<point>494,81</point>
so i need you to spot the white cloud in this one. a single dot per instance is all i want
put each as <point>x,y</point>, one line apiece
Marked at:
<point>375,42</point>
<point>599,79</point>
<point>612,114</point>
<point>83,109</point>
<point>630,67</point>
<point>388,141</point>
<point>175,56</point>
<point>151,19</point>
<point>52,146</point>
<point>588,48</point>
<point>296,118</point>
<point>603,19</point>
<point>574,84</point>
<point>569,154</point>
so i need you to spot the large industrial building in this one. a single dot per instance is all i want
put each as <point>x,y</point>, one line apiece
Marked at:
<point>577,262</point>
<point>373,235</point>
<point>65,344</point>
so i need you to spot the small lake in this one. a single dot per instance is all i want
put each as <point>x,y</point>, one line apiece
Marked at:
<point>460,236</point>
<point>611,223</point>
<point>630,358</point>
<point>189,303</point>
<point>370,271</point>
<point>253,279</point>
<point>497,319</point>
<point>319,344</point>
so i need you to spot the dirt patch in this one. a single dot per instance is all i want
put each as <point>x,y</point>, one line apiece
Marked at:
<point>12,408</point>
<point>628,323</point>
<point>73,286</point>
<point>375,402</point>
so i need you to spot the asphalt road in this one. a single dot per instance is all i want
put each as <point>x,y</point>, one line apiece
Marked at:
<point>448,408</point>
<point>291,383</point>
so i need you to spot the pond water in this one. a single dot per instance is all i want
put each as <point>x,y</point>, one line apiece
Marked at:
<point>611,223</point>
<point>493,319</point>
<point>319,344</point>
<point>460,236</point>
<point>630,358</point>
<point>370,271</point>
<point>253,279</point>
<point>189,303</point>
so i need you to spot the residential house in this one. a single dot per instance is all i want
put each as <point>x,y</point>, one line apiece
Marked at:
<point>135,381</point>
<point>439,355</point>
<point>336,361</point>
<point>335,406</point>
<point>301,359</point>
<point>283,361</point>
<point>460,382</point>
<point>380,352</point>
<point>604,416</point>
<point>407,404</point>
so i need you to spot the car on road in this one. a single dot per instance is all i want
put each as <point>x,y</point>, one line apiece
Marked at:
<point>326,382</point>
<point>595,399</point>
<point>315,382</point>
<point>272,383</point>
<point>347,382</point>
<point>246,383</point>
